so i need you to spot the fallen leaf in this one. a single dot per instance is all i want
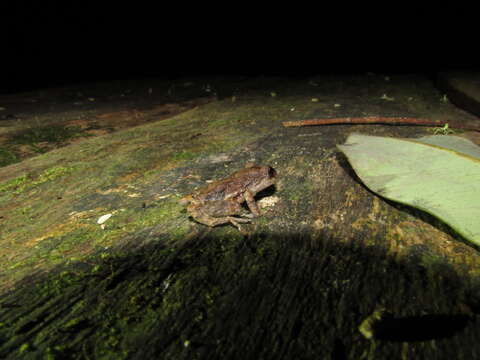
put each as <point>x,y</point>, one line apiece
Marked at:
<point>437,174</point>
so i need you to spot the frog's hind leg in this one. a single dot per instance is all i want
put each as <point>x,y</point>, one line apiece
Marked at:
<point>214,221</point>
<point>252,205</point>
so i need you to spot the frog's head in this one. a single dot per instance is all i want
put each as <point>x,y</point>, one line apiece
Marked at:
<point>265,177</point>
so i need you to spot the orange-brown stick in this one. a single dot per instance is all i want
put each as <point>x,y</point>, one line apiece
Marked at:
<point>377,120</point>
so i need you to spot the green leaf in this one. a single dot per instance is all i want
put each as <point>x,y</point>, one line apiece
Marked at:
<point>436,174</point>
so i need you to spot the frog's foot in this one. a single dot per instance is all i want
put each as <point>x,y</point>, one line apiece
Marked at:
<point>236,222</point>
<point>249,215</point>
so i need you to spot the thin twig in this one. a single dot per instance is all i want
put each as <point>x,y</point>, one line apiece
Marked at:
<point>378,120</point>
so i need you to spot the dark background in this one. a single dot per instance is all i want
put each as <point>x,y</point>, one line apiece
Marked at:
<point>49,43</point>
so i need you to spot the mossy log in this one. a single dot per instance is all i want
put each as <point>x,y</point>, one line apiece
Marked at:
<point>326,257</point>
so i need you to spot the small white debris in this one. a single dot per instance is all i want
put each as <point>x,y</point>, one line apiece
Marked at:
<point>218,158</point>
<point>337,105</point>
<point>207,88</point>
<point>314,99</point>
<point>269,201</point>
<point>292,109</point>
<point>166,282</point>
<point>387,98</point>
<point>103,218</point>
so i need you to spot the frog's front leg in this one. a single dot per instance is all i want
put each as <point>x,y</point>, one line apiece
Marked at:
<point>252,205</point>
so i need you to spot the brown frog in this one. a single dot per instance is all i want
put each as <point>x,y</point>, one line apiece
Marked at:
<point>217,202</point>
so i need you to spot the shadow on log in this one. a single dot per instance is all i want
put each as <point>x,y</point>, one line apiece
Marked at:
<point>420,328</point>
<point>264,297</point>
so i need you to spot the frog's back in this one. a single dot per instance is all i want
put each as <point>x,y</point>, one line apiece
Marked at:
<point>252,178</point>
<point>229,188</point>
<point>245,179</point>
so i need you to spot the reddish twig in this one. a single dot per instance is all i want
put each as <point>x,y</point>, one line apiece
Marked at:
<point>378,120</point>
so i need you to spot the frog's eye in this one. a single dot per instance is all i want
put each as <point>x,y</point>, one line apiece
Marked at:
<point>271,172</point>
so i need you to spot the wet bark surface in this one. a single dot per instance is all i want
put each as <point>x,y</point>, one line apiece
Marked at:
<point>325,256</point>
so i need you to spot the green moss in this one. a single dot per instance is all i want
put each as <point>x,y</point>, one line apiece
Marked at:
<point>24,348</point>
<point>22,183</point>
<point>72,323</point>
<point>123,313</point>
<point>50,133</point>
<point>184,155</point>
<point>7,157</point>
<point>14,184</point>
<point>430,259</point>
<point>52,174</point>
<point>302,189</point>
<point>131,220</point>
<point>212,295</point>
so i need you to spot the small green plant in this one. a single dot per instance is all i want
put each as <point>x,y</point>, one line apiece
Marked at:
<point>444,130</point>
